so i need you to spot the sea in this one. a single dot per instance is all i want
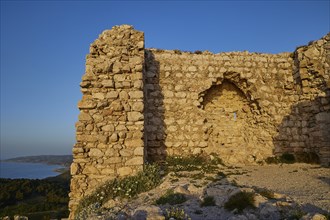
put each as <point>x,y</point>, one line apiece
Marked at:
<point>14,170</point>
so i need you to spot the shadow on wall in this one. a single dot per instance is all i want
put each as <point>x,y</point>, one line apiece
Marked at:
<point>305,131</point>
<point>154,135</point>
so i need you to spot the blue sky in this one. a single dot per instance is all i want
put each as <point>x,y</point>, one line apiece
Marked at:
<point>44,44</point>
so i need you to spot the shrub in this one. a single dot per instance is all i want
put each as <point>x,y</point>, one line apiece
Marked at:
<point>240,201</point>
<point>176,213</point>
<point>191,163</point>
<point>208,201</point>
<point>287,158</point>
<point>171,198</point>
<point>127,187</point>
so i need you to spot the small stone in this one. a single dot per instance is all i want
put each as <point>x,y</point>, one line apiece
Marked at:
<point>108,83</point>
<point>136,94</point>
<point>84,116</point>
<point>138,106</point>
<point>94,152</point>
<point>113,137</point>
<point>124,171</point>
<point>134,161</point>
<point>108,128</point>
<point>135,116</point>
<point>98,96</point>
<point>86,104</point>
<point>139,151</point>
<point>140,44</point>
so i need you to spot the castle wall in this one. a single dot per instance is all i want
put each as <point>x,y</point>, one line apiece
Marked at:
<point>229,103</point>
<point>141,105</point>
<point>111,122</point>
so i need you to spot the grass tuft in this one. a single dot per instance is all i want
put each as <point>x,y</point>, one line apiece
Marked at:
<point>171,198</point>
<point>240,201</point>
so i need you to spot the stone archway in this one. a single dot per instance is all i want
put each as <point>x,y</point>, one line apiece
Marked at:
<point>230,119</point>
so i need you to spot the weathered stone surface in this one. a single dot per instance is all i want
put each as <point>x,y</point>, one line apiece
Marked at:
<point>135,116</point>
<point>134,161</point>
<point>94,152</point>
<point>86,104</point>
<point>125,171</point>
<point>84,116</point>
<point>242,106</point>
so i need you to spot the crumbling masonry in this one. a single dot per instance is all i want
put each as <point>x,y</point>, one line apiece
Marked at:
<point>142,104</point>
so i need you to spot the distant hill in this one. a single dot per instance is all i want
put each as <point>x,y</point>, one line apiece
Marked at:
<point>37,199</point>
<point>64,160</point>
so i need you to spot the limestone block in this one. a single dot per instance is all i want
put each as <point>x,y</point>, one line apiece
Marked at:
<point>112,94</point>
<point>168,94</point>
<point>123,95</point>
<point>202,144</point>
<point>117,67</point>
<point>135,116</point>
<point>86,138</point>
<point>172,128</point>
<point>74,169</point>
<point>108,83</point>
<point>139,151</point>
<point>108,171</point>
<point>140,44</point>
<point>312,52</point>
<point>86,104</point>
<point>90,169</point>
<point>111,153</point>
<point>192,68</point>
<point>108,127</point>
<point>84,116</point>
<point>94,152</point>
<point>113,160</point>
<point>138,106</point>
<point>134,161</point>
<point>133,143</point>
<point>124,171</point>
<point>113,137</point>
<point>136,94</point>
<point>103,139</point>
<point>126,152</point>
<point>323,116</point>
<point>98,95</point>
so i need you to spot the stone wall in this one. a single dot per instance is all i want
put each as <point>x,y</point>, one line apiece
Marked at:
<point>144,104</point>
<point>110,127</point>
<point>216,103</point>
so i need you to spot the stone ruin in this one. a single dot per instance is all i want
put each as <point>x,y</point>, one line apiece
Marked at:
<point>141,105</point>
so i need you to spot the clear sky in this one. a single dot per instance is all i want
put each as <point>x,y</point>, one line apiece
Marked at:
<point>44,44</point>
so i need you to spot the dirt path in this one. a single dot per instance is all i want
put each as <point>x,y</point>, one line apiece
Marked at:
<point>306,184</point>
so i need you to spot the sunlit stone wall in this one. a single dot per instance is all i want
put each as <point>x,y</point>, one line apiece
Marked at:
<point>142,104</point>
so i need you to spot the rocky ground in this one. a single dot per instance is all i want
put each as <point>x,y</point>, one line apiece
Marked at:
<point>295,191</point>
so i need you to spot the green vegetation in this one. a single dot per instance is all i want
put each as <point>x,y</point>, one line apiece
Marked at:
<point>208,201</point>
<point>201,163</point>
<point>127,187</point>
<point>240,201</point>
<point>302,157</point>
<point>36,199</point>
<point>176,213</point>
<point>171,198</point>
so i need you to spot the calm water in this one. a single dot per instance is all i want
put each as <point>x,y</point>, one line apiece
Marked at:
<point>27,170</point>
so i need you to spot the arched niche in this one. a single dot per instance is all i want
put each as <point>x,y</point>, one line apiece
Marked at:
<point>229,114</point>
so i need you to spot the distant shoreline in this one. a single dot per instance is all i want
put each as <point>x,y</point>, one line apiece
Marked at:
<point>62,160</point>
